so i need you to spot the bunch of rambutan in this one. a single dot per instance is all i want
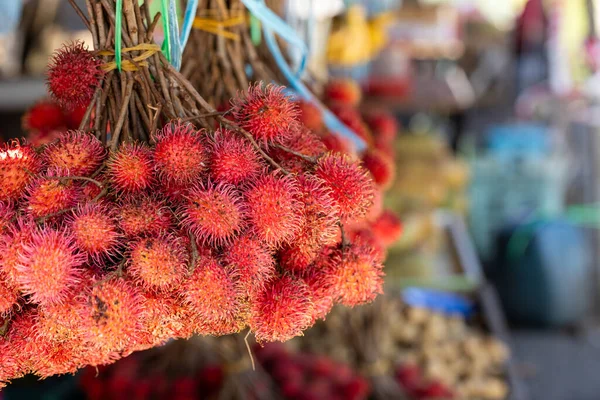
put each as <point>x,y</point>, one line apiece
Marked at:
<point>103,253</point>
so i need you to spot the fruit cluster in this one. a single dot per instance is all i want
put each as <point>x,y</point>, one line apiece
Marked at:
<point>103,253</point>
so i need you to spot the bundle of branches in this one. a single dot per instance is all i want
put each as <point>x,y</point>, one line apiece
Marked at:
<point>221,58</point>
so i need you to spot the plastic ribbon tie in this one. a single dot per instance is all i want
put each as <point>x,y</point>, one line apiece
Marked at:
<point>130,65</point>
<point>118,33</point>
<point>188,19</point>
<point>218,27</point>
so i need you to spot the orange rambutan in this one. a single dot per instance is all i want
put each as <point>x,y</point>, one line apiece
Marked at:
<point>274,212</point>
<point>49,195</point>
<point>232,158</point>
<point>381,167</point>
<point>130,168</point>
<point>75,153</point>
<point>266,112</point>
<point>163,318</point>
<point>74,74</point>
<point>343,91</point>
<point>214,213</point>
<point>351,186</point>
<point>61,322</point>
<point>310,116</point>
<point>212,297</point>
<point>388,227</point>
<point>356,273</point>
<point>158,262</point>
<point>179,153</point>
<point>49,266</point>
<point>112,315</point>
<point>143,215</point>
<point>19,164</point>
<point>282,310</point>
<point>251,263</point>
<point>44,116</point>
<point>95,230</point>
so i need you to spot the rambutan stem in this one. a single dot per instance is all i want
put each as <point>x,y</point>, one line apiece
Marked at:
<point>76,178</point>
<point>84,125</point>
<point>122,114</point>
<point>4,327</point>
<point>194,259</point>
<point>81,14</point>
<point>310,159</point>
<point>249,350</point>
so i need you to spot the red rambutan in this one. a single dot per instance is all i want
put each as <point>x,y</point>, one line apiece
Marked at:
<point>113,315</point>
<point>7,213</point>
<point>266,112</point>
<point>144,215</point>
<point>44,116</point>
<point>301,141</point>
<point>213,213</point>
<point>11,245</point>
<point>343,91</point>
<point>274,212</point>
<point>298,256</point>
<point>50,195</point>
<point>233,159</point>
<point>377,207</point>
<point>95,230</point>
<point>350,184</point>
<point>380,166</point>
<point>163,318</point>
<point>310,116</point>
<point>357,274</point>
<point>61,322</point>
<point>74,74</point>
<point>336,143</point>
<point>383,125</point>
<point>283,310</point>
<point>364,235</point>
<point>38,138</point>
<point>388,227</point>
<point>251,263</point>
<point>130,168</point>
<point>8,296</point>
<point>320,282</point>
<point>49,266</point>
<point>158,262</point>
<point>179,154</point>
<point>75,116</point>
<point>18,166</point>
<point>18,347</point>
<point>75,153</point>
<point>211,294</point>
<point>352,119</point>
<point>320,212</point>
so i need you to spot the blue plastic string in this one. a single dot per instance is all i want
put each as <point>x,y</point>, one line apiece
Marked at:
<point>173,26</point>
<point>188,21</point>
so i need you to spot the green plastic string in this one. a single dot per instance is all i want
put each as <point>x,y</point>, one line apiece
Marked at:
<point>118,29</point>
<point>166,46</point>
<point>255,30</point>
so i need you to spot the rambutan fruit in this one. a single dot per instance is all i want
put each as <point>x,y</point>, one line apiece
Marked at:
<point>7,213</point>
<point>12,242</point>
<point>383,125</point>
<point>8,296</point>
<point>388,227</point>
<point>274,212</point>
<point>75,116</point>
<point>211,294</point>
<point>163,318</point>
<point>336,143</point>
<point>351,185</point>
<point>130,168</point>
<point>376,207</point>
<point>320,282</point>
<point>380,166</point>
<point>250,262</point>
<point>95,230</point>
<point>49,266</point>
<point>158,262</point>
<point>310,116</point>
<point>61,322</point>
<point>50,195</point>
<point>19,165</point>
<point>364,235</point>
<point>320,212</point>
<point>180,153</point>
<point>283,310</point>
<point>44,116</point>
<point>143,215</point>
<point>266,112</point>
<point>298,256</point>
<point>232,158</point>
<point>343,91</point>
<point>357,274</point>
<point>40,138</point>
<point>18,347</point>
<point>214,213</point>
<point>74,74</point>
<point>352,119</point>
<point>302,142</point>
<point>75,153</point>
<point>113,315</point>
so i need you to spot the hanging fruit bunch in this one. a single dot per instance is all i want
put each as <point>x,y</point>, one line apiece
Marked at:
<point>161,218</point>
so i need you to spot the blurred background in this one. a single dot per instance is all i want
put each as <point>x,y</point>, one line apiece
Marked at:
<point>493,288</point>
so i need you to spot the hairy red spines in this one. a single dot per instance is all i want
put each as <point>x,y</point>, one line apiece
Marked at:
<point>17,235</point>
<point>19,165</point>
<point>50,195</point>
<point>251,262</point>
<point>179,153</point>
<point>75,153</point>
<point>310,116</point>
<point>73,75</point>
<point>266,112</point>
<point>44,116</point>
<point>232,158</point>
<point>388,227</point>
<point>95,230</point>
<point>130,168</point>
<point>274,212</point>
<point>214,213</point>
<point>380,166</point>
<point>8,296</point>
<point>343,91</point>
<point>7,214</point>
<point>143,216</point>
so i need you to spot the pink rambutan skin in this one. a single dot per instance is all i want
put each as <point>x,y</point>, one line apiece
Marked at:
<point>11,246</point>
<point>143,216</point>
<point>158,262</point>
<point>251,263</point>
<point>283,310</point>
<point>350,184</point>
<point>95,230</point>
<point>179,153</point>
<point>233,159</point>
<point>49,266</point>
<point>131,169</point>
<point>214,213</point>
<point>74,74</point>
<point>303,142</point>
<point>50,195</point>
<point>75,153</point>
<point>274,212</point>
<point>19,165</point>
<point>266,112</point>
